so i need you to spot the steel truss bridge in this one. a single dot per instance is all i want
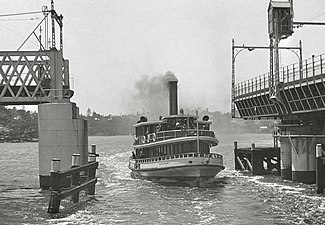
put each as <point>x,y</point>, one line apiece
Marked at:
<point>33,77</point>
<point>301,91</point>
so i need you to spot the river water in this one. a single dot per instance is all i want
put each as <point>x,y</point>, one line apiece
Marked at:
<point>233,198</point>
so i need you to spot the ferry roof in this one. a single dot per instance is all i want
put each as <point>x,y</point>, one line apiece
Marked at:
<point>279,4</point>
<point>148,123</point>
<point>181,116</point>
<point>187,116</point>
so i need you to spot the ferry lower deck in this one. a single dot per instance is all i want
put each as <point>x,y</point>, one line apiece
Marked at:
<point>180,166</point>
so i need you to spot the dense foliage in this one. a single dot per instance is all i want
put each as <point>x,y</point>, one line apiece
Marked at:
<point>18,125</point>
<point>100,125</point>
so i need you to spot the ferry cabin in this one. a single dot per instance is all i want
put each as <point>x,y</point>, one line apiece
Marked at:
<point>173,135</point>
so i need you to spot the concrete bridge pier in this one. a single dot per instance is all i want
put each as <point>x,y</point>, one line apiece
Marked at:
<point>61,134</point>
<point>286,159</point>
<point>303,159</point>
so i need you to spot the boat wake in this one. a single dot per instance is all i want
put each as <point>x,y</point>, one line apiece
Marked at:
<point>197,182</point>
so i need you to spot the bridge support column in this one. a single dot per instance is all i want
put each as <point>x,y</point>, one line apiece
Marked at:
<point>61,134</point>
<point>303,159</point>
<point>286,161</point>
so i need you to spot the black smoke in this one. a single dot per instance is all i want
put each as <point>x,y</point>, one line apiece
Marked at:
<point>151,97</point>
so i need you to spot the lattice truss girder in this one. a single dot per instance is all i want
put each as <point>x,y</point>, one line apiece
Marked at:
<point>29,75</point>
<point>310,96</point>
<point>257,106</point>
<point>296,98</point>
<point>301,89</point>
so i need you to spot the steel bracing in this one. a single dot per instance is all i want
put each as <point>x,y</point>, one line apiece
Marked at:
<point>33,77</point>
<point>301,90</point>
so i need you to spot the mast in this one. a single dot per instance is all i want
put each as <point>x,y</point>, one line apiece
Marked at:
<point>197,132</point>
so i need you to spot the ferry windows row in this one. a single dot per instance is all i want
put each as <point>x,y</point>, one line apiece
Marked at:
<point>173,149</point>
<point>190,155</point>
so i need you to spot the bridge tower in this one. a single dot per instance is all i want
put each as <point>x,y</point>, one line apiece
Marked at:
<point>280,20</point>
<point>41,78</point>
<point>294,94</point>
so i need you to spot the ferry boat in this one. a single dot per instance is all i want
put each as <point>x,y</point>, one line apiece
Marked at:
<point>176,147</point>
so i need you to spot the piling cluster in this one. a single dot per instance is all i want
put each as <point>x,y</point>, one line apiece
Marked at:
<point>72,181</point>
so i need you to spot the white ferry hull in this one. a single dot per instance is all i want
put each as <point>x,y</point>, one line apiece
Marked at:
<point>180,173</point>
<point>178,169</point>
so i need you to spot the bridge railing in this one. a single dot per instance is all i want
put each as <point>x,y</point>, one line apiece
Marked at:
<point>309,69</point>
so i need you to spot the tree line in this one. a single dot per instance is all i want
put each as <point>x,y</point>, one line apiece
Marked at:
<point>20,125</point>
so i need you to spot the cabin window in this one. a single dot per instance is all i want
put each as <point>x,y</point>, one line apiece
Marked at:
<point>171,123</point>
<point>186,147</point>
<point>175,149</point>
<point>204,148</point>
<point>138,131</point>
<point>191,123</point>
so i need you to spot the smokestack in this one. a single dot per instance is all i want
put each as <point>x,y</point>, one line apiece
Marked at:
<point>173,103</point>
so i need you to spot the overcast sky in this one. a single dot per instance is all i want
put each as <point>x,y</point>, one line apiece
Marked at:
<point>113,44</point>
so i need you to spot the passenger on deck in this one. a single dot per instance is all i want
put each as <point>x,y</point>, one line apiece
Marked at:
<point>180,125</point>
<point>133,156</point>
<point>158,127</point>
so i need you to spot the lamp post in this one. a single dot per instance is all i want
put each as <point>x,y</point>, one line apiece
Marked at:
<point>233,76</point>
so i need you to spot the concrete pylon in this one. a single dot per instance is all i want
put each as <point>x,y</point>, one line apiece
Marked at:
<point>61,134</point>
<point>303,159</point>
<point>286,161</point>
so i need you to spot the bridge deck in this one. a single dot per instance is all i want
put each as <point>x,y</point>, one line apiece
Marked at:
<point>301,91</point>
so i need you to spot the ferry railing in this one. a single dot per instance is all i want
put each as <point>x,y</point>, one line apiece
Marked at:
<point>291,74</point>
<point>164,135</point>
<point>177,156</point>
<point>169,134</point>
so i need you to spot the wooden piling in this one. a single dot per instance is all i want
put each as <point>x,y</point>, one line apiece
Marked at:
<point>92,172</point>
<point>93,149</point>
<point>238,164</point>
<point>257,160</point>
<point>320,183</point>
<point>75,177</point>
<point>55,200</point>
<point>54,204</point>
